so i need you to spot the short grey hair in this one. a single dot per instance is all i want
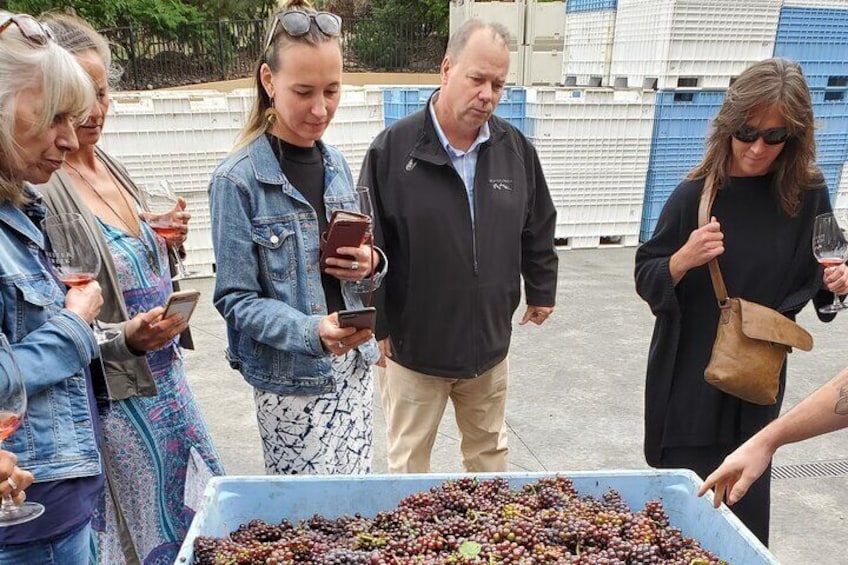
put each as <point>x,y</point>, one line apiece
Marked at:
<point>77,36</point>
<point>66,88</point>
<point>459,39</point>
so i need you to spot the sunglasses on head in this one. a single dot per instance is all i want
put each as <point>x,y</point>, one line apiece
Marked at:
<point>772,136</point>
<point>297,23</point>
<point>33,30</point>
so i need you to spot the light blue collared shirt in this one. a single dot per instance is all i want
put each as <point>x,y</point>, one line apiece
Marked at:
<point>465,162</point>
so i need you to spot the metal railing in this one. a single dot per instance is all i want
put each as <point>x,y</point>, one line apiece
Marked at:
<point>227,50</point>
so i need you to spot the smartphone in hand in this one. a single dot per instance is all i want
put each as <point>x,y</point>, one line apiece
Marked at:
<point>346,229</point>
<point>361,318</point>
<point>181,302</point>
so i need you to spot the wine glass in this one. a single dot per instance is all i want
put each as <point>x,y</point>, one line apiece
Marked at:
<point>162,200</point>
<point>13,403</point>
<point>830,249</point>
<point>366,207</point>
<point>74,257</point>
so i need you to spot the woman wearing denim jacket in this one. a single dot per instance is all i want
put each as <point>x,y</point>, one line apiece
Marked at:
<point>270,200</point>
<point>43,91</point>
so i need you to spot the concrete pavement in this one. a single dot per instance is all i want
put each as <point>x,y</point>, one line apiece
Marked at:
<point>576,400</point>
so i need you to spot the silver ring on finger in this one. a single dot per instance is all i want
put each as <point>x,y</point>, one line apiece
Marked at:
<point>12,484</point>
<point>341,344</point>
<point>354,266</point>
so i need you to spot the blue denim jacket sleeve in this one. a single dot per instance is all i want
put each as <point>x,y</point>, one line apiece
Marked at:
<point>64,343</point>
<point>239,294</point>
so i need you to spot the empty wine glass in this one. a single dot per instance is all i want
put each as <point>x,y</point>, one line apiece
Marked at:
<point>830,249</point>
<point>13,403</point>
<point>366,207</point>
<point>74,257</point>
<point>162,200</point>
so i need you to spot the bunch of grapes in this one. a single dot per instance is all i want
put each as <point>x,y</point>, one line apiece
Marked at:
<point>470,522</point>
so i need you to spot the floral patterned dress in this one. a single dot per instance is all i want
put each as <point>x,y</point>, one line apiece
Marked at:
<point>150,442</point>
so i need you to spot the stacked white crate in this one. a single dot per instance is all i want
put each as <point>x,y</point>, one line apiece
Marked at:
<point>594,145</point>
<point>544,40</point>
<point>588,47</point>
<point>817,3</point>
<point>707,42</point>
<point>182,136</point>
<point>510,14</point>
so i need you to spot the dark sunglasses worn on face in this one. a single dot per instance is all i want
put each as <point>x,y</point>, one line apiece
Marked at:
<point>32,30</point>
<point>297,23</point>
<point>773,136</point>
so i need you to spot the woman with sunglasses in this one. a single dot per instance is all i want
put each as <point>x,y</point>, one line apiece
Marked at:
<point>153,430</point>
<point>270,201</point>
<point>760,156</point>
<point>43,93</point>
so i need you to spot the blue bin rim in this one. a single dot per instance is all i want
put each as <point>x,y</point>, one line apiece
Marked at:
<point>216,484</point>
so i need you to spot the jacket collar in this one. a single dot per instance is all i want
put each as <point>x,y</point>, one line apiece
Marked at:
<point>25,219</point>
<point>429,147</point>
<point>267,170</point>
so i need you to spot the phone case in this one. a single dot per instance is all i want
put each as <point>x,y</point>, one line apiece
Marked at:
<point>346,229</point>
<point>359,319</point>
<point>183,302</point>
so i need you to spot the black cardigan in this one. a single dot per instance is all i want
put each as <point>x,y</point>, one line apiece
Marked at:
<point>768,259</point>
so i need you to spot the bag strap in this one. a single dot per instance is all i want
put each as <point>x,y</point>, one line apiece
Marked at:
<point>707,198</point>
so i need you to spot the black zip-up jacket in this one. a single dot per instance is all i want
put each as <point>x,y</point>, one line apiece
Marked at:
<point>451,289</point>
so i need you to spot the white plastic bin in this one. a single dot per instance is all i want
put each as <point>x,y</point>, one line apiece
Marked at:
<point>182,136</point>
<point>594,145</point>
<point>588,46</point>
<point>691,43</point>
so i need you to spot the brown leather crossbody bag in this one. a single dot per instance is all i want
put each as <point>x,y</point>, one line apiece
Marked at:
<point>751,341</point>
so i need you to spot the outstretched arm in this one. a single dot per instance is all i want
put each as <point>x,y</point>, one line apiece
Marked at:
<point>824,411</point>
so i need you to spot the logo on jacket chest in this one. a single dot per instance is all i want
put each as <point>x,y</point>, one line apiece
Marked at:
<point>501,184</point>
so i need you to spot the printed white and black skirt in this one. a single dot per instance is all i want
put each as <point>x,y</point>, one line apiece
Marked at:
<point>328,434</point>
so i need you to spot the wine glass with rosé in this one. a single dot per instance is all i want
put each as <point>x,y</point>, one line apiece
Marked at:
<point>74,257</point>
<point>13,403</point>
<point>831,250</point>
<point>163,201</point>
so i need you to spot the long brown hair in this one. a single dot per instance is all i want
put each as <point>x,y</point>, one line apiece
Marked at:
<point>773,83</point>
<point>257,123</point>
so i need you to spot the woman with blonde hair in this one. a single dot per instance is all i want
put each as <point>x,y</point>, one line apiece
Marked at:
<point>270,200</point>
<point>153,430</point>
<point>760,159</point>
<point>43,94</point>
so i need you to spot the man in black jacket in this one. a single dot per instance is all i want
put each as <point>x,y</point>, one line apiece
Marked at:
<point>463,211</point>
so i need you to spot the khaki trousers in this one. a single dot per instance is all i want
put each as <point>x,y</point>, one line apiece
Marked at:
<point>414,404</point>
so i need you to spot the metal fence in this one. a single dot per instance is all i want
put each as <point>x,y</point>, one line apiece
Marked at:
<point>227,50</point>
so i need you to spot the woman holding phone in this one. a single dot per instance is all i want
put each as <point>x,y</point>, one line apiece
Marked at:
<point>153,430</point>
<point>270,200</point>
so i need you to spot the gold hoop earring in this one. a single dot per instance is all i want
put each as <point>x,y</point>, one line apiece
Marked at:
<point>271,116</point>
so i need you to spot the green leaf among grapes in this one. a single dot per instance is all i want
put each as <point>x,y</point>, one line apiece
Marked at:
<point>470,549</point>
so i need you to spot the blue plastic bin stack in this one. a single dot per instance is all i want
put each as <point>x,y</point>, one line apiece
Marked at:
<point>400,101</point>
<point>816,38</point>
<point>681,122</point>
<point>573,6</point>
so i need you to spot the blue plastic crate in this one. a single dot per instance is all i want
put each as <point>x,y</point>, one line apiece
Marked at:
<point>572,6</point>
<point>681,122</point>
<point>659,185</point>
<point>816,38</point>
<point>832,173</point>
<point>399,102</point>
<point>830,108</point>
<point>230,501</point>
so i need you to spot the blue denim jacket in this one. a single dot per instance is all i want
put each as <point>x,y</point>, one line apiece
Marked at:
<point>52,345</point>
<point>268,282</point>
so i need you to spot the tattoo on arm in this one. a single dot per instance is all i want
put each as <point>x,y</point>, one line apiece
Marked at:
<point>841,407</point>
<point>841,383</point>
